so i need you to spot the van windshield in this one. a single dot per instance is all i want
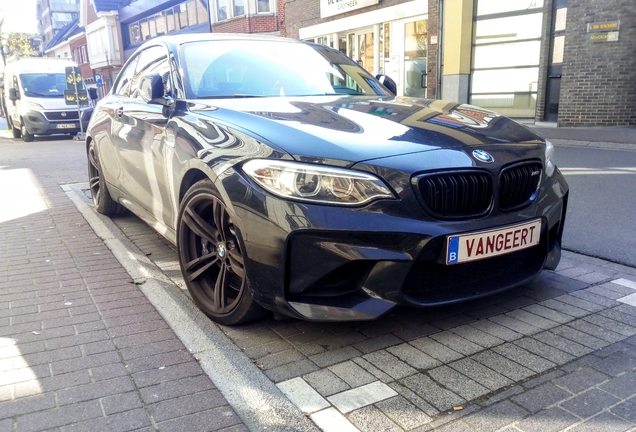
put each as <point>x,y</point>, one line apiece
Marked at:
<point>49,85</point>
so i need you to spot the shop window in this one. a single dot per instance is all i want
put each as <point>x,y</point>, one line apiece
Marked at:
<point>507,55</point>
<point>183,17</point>
<point>489,7</point>
<point>192,13</point>
<point>160,22</point>
<point>202,13</point>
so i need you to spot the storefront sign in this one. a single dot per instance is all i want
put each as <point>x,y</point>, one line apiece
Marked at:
<point>334,7</point>
<point>610,26</point>
<point>603,37</point>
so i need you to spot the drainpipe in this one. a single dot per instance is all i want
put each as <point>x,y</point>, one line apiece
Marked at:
<point>440,48</point>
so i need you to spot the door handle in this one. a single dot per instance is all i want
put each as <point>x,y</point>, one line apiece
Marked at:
<point>119,113</point>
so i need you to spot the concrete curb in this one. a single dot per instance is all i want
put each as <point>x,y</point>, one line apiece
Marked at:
<point>593,144</point>
<point>259,403</point>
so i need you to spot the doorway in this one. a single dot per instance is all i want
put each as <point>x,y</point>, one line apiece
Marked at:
<point>555,60</point>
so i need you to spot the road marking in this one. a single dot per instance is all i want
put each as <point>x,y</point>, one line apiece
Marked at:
<point>626,283</point>
<point>361,396</point>
<point>303,395</point>
<point>330,420</point>
<point>630,300</point>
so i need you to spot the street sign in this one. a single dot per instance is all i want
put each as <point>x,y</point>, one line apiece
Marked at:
<point>98,78</point>
<point>72,99</point>
<point>73,77</point>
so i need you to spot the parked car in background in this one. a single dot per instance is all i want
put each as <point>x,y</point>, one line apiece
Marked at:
<point>292,180</point>
<point>34,98</point>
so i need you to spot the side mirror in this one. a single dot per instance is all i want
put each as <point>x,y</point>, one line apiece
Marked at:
<point>387,82</point>
<point>92,93</point>
<point>152,90</point>
<point>13,94</point>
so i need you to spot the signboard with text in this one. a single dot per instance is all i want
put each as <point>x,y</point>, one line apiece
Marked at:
<point>334,7</point>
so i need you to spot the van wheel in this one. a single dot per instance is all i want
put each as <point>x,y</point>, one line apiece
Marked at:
<point>15,131</point>
<point>26,136</point>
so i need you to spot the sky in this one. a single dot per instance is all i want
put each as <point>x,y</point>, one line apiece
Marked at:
<point>19,16</point>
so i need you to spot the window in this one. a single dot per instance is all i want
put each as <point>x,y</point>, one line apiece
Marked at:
<point>221,10</point>
<point>122,87</point>
<point>263,6</point>
<point>152,60</point>
<point>84,56</point>
<point>506,52</point>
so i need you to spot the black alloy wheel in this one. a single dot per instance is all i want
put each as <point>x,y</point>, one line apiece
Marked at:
<point>212,258</point>
<point>102,200</point>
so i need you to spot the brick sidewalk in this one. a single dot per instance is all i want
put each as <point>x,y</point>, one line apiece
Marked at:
<point>81,348</point>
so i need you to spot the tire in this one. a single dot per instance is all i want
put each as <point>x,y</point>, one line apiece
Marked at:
<point>26,136</point>
<point>211,256</point>
<point>14,131</point>
<point>102,200</point>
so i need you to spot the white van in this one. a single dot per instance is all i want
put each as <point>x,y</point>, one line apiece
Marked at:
<point>34,98</point>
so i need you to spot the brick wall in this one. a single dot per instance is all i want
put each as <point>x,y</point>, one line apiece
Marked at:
<point>254,24</point>
<point>598,85</point>
<point>431,61</point>
<point>280,6</point>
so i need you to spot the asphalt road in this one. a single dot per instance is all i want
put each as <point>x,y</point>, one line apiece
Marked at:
<point>601,219</point>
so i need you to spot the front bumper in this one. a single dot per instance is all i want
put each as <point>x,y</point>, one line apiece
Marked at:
<point>326,263</point>
<point>52,122</point>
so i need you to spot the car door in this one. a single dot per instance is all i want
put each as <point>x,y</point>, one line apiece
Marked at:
<point>139,134</point>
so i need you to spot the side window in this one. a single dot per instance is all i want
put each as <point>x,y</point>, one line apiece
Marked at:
<point>125,78</point>
<point>153,60</point>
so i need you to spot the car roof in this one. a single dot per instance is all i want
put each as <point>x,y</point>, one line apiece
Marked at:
<point>176,40</point>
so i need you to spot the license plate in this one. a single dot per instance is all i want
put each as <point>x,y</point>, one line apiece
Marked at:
<point>485,244</point>
<point>66,126</point>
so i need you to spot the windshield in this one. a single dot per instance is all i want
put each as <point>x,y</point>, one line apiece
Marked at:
<point>228,69</point>
<point>50,85</point>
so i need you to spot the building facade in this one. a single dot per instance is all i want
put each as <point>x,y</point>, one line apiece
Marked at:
<point>53,15</point>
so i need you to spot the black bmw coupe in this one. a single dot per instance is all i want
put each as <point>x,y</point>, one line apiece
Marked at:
<point>292,180</point>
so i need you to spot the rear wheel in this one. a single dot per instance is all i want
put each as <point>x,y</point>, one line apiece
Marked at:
<point>212,257</point>
<point>99,191</point>
<point>14,131</point>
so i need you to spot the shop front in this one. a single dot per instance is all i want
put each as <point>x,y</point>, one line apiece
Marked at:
<point>392,41</point>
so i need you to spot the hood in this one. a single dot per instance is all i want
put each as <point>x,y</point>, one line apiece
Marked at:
<point>348,129</point>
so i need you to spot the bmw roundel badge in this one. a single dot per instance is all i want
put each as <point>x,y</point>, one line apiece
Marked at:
<point>483,156</point>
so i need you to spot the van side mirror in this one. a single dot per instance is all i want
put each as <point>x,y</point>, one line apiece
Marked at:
<point>13,94</point>
<point>387,82</point>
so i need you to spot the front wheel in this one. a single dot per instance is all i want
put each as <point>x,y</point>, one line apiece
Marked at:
<point>212,257</point>
<point>102,200</point>
<point>26,136</point>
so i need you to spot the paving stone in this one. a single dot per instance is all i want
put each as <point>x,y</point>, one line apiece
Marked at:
<point>485,311</point>
<point>610,324</point>
<point>303,395</point>
<point>413,398</point>
<point>540,379</point>
<point>441,398</point>
<point>496,416</point>
<point>389,364</point>
<point>551,420</point>
<point>532,319</point>
<point>563,344</point>
<point>481,374</point>
<point>586,326</point>
<point>496,330</point>
<point>515,324</point>
<point>627,410</point>
<point>453,321</point>
<point>120,422</point>
<point>615,364</point>
<point>541,397</point>
<point>458,383</point>
<point>62,416</point>
<point>326,382</point>
<point>331,420</point>
<point>377,343</point>
<point>477,336</point>
<point>623,386</point>
<point>529,360</point>
<point>599,301</point>
<point>94,390</point>
<point>577,336</point>
<point>457,343</point>
<point>589,403</point>
<point>416,331</point>
<point>543,350</point>
<point>176,388</point>
<point>285,372</point>
<point>352,374</point>
<point>371,419</point>
<point>515,390</point>
<point>581,379</point>
<point>619,315</point>
<point>402,412</point>
<point>359,397</point>
<point>220,418</point>
<point>121,402</point>
<point>605,421</point>
<point>413,356</point>
<point>329,358</point>
<point>184,405</point>
<point>436,349</point>
<point>548,313</point>
<point>611,349</point>
<point>372,370</point>
<point>508,368</point>
<point>565,308</point>
<point>338,341</point>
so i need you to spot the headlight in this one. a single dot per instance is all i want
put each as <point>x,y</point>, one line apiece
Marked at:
<point>34,106</point>
<point>316,183</point>
<point>549,154</point>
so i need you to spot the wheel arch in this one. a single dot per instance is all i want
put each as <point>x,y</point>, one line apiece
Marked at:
<point>192,176</point>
